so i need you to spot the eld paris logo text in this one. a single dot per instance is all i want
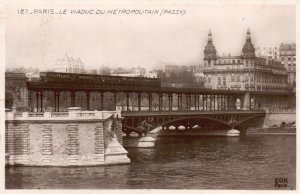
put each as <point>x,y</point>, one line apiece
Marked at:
<point>281,182</point>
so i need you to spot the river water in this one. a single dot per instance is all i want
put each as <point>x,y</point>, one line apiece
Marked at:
<point>251,162</point>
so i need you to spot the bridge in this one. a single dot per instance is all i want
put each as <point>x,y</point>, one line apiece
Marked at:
<point>95,137</point>
<point>144,100</point>
<point>226,119</point>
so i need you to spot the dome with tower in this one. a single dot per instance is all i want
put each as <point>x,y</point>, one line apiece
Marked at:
<point>248,50</point>
<point>210,52</point>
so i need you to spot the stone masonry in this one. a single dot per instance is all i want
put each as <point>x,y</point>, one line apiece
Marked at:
<point>61,139</point>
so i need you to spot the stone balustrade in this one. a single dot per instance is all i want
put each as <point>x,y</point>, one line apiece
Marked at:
<point>78,114</point>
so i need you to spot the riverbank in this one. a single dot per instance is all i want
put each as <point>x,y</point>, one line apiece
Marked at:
<point>272,131</point>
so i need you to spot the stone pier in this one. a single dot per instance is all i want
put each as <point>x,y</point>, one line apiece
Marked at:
<point>73,138</point>
<point>147,141</point>
<point>139,142</point>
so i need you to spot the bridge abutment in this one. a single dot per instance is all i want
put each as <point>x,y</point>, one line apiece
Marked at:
<point>277,118</point>
<point>74,138</point>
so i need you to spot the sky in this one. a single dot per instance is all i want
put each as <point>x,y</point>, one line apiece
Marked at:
<point>121,40</point>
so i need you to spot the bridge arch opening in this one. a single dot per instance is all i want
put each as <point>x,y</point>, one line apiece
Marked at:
<point>195,126</point>
<point>196,123</point>
<point>121,101</point>
<point>253,121</point>
<point>155,102</point>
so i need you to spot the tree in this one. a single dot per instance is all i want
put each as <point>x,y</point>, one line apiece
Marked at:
<point>104,70</point>
<point>93,71</point>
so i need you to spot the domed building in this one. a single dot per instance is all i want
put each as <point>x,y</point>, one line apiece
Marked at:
<point>246,72</point>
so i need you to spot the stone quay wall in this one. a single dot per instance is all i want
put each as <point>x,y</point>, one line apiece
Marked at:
<point>74,138</point>
<point>277,117</point>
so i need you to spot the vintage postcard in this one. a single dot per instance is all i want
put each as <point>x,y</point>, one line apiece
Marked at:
<point>149,96</point>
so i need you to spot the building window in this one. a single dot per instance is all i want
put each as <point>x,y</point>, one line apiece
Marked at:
<point>219,80</point>
<point>246,86</point>
<point>224,80</point>
<point>232,78</point>
<point>237,78</point>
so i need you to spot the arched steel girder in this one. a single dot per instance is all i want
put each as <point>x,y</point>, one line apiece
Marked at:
<point>247,119</point>
<point>177,120</point>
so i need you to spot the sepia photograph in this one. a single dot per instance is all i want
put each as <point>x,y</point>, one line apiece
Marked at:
<point>149,95</point>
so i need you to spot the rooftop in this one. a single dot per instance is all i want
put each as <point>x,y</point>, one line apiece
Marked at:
<point>287,46</point>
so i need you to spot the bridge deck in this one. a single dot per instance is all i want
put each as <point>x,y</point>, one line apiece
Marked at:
<point>40,85</point>
<point>191,112</point>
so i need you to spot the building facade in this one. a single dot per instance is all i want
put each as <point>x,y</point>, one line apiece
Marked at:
<point>268,52</point>
<point>288,59</point>
<point>68,65</point>
<point>181,76</point>
<point>132,72</point>
<point>16,92</point>
<point>244,72</point>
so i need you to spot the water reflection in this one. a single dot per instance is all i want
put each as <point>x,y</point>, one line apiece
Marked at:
<point>251,162</point>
